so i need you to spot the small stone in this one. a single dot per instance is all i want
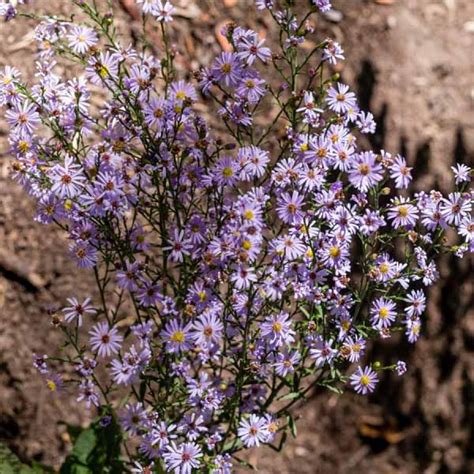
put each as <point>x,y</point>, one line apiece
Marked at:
<point>392,21</point>
<point>469,26</point>
<point>335,16</point>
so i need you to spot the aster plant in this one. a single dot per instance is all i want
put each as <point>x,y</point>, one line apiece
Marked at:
<point>240,263</point>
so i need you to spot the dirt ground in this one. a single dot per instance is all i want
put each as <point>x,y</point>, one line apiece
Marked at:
<point>412,64</point>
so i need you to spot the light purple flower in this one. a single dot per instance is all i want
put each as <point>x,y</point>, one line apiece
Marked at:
<point>340,100</point>
<point>77,310</point>
<point>364,380</point>
<point>81,38</point>
<point>366,172</point>
<point>253,430</point>
<point>104,339</point>
<point>182,458</point>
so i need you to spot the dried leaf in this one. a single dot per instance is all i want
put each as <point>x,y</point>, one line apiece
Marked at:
<point>221,39</point>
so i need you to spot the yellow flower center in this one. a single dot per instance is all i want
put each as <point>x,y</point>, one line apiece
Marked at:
<point>103,71</point>
<point>246,245</point>
<point>178,336</point>
<point>249,215</point>
<point>403,211</point>
<point>277,326</point>
<point>334,252</point>
<point>227,172</point>
<point>23,146</point>
<point>364,169</point>
<point>384,268</point>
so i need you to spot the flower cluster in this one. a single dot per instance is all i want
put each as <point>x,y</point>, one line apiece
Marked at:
<point>258,261</point>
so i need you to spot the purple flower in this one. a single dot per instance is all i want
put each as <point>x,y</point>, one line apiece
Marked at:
<point>102,68</point>
<point>365,172</point>
<point>81,38</point>
<point>400,172</point>
<point>413,328</point>
<point>227,69</point>
<point>226,171</point>
<point>401,367</point>
<point>364,380</point>
<point>332,51</point>
<point>162,11</point>
<point>455,208</point>
<point>180,246</point>
<point>251,88</point>
<point>402,213</point>
<point>253,162</point>
<point>322,352</point>
<point>133,418</point>
<point>163,433</point>
<point>182,91</point>
<point>277,329</point>
<point>67,179</point>
<point>323,5</point>
<point>88,394</point>
<point>340,100</point>
<point>23,118</point>
<point>147,5</point>
<point>104,339</point>
<point>309,109</point>
<point>54,382</point>
<point>461,173</point>
<point>40,364</point>
<point>290,247</point>
<point>149,294</point>
<point>84,254</point>
<point>77,310</point>
<point>207,330</point>
<point>417,300</point>
<point>251,49</point>
<point>290,208</point>
<point>366,123</point>
<point>243,276</point>
<point>253,431</point>
<point>128,278</point>
<point>354,348</point>
<point>383,313</point>
<point>370,222</point>
<point>182,458</point>
<point>177,336</point>
<point>286,362</point>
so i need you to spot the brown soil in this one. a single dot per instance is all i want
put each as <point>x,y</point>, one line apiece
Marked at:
<point>412,65</point>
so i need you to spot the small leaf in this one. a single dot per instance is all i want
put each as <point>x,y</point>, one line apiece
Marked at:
<point>290,396</point>
<point>292,425</point>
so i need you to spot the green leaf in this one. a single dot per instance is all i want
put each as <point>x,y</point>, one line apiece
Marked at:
<point>290,396</point>
<point>96,451</point>
<point>292,425</point>
<point>10,464</point>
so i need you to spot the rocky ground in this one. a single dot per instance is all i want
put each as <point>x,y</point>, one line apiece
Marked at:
<point>412,63</point>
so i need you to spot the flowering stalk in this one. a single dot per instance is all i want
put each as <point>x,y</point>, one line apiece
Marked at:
<point>239,268</point>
